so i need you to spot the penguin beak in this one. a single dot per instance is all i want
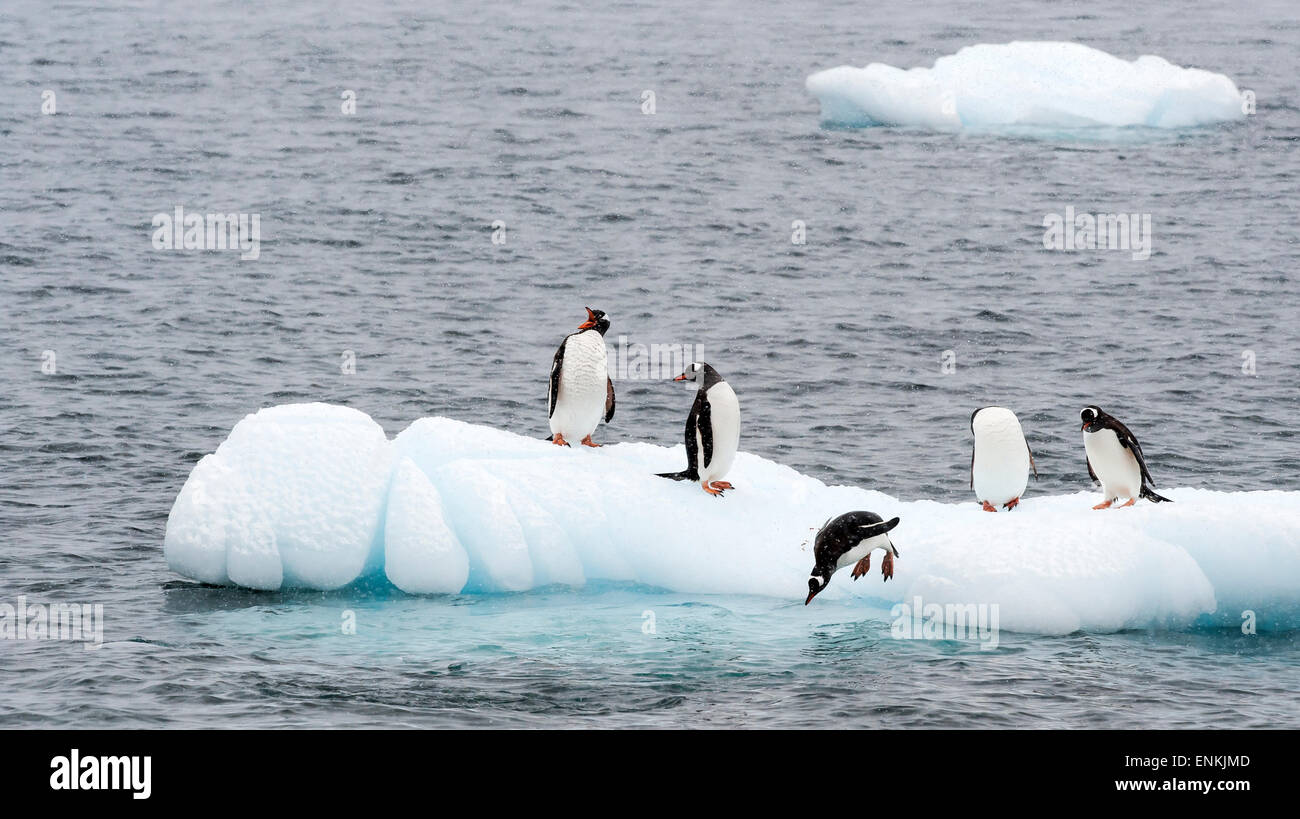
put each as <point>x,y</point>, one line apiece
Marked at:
<point>682,377</point>
<point>590,322</point>
<point>1085,426</point>
<point>811,595</point>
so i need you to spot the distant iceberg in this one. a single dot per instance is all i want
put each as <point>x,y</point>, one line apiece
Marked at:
<point>1036,84</point>
<point>316,496</point>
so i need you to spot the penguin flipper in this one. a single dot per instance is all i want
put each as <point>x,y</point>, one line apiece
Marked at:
<point>1129,440</point>
<point>553,395</point>
<point>609,399</point>
<point>1032,465</point>
<point>692,445</point>
<point>689,473</point>
<point>704,423</point>
<point>870,530</point>
<point>1091,474</point>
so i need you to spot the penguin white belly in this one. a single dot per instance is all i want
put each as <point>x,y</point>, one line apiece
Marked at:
<point>724,414</point>
<point>584,375</point>
<point>1000,471</point>
<point>1113,464</point>
<point>863,549</point>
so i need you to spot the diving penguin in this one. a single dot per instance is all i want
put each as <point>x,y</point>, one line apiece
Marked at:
<point>1000,459</point>
<point>581,391</point>
<point>712,430</point>
<point>850,538</point>
<point>1115,459</point>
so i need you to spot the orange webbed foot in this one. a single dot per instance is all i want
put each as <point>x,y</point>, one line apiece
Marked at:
<point>558,440</point>
<point>710,489</point>
<point>988,507</point>
<point>1131,501</point>
<point>864,566</point>
<point>588,442</point>
<point>1011,504</point>
<point>1105,505</point>
<point>722,485</point>
<point>887,567</point>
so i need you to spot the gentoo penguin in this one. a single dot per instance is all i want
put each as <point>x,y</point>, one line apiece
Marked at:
<point>1115,459</point>
<point>581,391</point>
<point>1000,459</point>
<point>850,538</point>
<point>712,430</point>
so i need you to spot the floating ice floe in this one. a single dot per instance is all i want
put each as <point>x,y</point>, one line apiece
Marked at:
<point>316,496</point>
<point>1039,84</point>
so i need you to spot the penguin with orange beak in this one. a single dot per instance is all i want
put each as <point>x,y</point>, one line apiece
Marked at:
<point>581,391</point>
<point>712,430</point>
<point>1115,459</point>
<point>850,539</point>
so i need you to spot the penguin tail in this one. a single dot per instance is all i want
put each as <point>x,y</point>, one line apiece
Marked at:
<point>684,475</point>
<point>1149,494</point>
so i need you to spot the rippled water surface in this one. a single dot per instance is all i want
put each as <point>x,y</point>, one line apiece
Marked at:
<point>377,238</point>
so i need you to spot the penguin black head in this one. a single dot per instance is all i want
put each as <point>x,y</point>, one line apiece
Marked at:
<point>815,584</point>
<point>692,372</point>
<point>595,321</point>
<point>701,374</point>
<point>1090,415</point>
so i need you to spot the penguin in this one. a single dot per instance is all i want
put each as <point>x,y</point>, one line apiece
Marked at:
<point>850,538</point>
<point>1000,458</point>
<point>581,390</point>
<point>1115,459</point>
<point>712,430</point>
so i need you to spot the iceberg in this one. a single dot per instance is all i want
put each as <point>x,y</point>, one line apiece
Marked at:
<point>293,497</point>
<point>316,496</point>
<point>1036,84</point>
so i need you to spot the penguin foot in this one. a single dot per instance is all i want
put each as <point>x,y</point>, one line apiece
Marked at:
<point>1131,501</point>
<point>864,566</point>
<point>887,568</point>
<point>558,440</point>
<point>1105,505</point>
<point>988,507</point>
<point>722,485</point>
<point>588,442</point>
<point>1011,504</point>
<point>710,489</point>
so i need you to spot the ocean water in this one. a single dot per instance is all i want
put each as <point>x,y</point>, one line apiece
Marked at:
<point>377,241</point>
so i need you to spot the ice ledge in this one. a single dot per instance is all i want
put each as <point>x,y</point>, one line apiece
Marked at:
<point>316,496</point>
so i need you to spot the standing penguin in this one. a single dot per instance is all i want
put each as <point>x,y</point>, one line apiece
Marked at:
<point>581,391</point>
<point>1000,459</point>
<point>1115,459</point>
<point>712,430</point>
<point>850,538</point>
